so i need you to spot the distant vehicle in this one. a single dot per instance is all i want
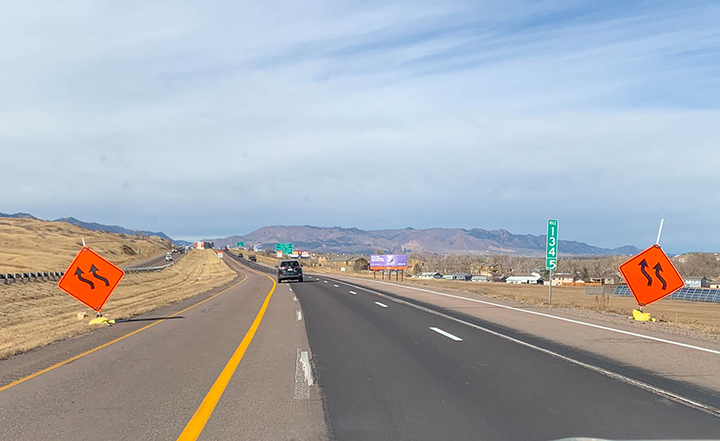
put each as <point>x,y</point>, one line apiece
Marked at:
<point>252,259</point>
<point>240,254</point>
<point>289,270</point>
<point>168,256</point>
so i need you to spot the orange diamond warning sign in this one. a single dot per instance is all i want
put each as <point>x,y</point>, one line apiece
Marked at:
<point>90,278</point>
<point>651,276</point>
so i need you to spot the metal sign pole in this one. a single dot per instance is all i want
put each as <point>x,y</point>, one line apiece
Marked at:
<point>550,289</point>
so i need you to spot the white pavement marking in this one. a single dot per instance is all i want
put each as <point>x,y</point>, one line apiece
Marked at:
<point>336,286</point>
<point>298,315</point>
<point>577,322</point>
<point>303,376</point>
<point>290,288</point>
<point>294,299</point>
<point>619,377</point>
<point>352,292</point>
<point>381,304</point>
<point>446,334</point>
<point>325,281</point>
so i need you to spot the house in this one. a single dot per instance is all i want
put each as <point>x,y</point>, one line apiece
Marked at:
<point>696,282</point>
<point>480,278</point>
<point>458,276</point>
<point>490,269</point>
<point>715,284</point>
<point>348,263</point>
<point>525,280</point>
<point>604,280</point>
<point>429,275</point>
<point>559,279</point>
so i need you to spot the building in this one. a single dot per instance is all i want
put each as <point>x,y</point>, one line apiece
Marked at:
<point>525,280</point>
<point>696,282</point>
<point>348,263</point>
<point>559,279</point>
<point>604,280</point>
<point>715,284</point>
<point>458,276</point>
<point>479,278</point>
<point>429,275</point>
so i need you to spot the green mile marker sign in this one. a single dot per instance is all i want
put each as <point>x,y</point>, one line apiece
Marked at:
<point>552,245</point>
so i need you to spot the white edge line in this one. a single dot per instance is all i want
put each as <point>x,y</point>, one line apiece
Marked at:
<point>619,377</point>
<point>446,334</point>
<point>620,331</point>
<point>381,304</point>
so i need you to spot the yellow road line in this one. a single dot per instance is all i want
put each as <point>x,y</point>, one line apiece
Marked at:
<point>202,414</point>
<point>62,363</point>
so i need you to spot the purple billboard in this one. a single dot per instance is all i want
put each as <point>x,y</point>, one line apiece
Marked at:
<point>388,261</point>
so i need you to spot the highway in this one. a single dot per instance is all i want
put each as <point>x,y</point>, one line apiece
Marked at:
<point>154,261</point>
<point>328,359</point>
<point>392,371</point>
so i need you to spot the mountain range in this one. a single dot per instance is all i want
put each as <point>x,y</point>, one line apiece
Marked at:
<point>434,240</point>
<point>92,225</point>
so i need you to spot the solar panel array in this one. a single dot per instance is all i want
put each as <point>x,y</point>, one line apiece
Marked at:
<point>692,294</point>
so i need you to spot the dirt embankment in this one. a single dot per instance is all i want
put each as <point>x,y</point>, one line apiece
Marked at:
<point>28,245</point>
<point>35,314</point>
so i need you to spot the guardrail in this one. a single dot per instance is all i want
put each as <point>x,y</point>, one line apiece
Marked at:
<point>53,276</point>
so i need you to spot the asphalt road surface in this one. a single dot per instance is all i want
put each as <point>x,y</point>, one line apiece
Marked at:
<point>160,380</point>
<point>326,359</point>
<point>391,371</point>
<point>154,261</point>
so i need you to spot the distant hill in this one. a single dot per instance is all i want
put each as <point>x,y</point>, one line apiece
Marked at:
<point>18,216</point>
<point>93,226</point>
<point>111,228</point>
<point>38,245</point>
<point>434,240</point>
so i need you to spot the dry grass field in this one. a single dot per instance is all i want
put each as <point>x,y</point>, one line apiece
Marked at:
<point>35,245</point>
<point>35,314</point>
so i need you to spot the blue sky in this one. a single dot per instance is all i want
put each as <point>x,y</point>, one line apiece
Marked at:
<point>205,119</point>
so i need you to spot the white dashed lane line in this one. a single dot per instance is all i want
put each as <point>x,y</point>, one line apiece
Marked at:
<point>298,315</point>
<point>352,292</point>
<point>336,286</point>
<point>381,304</point>
<point>446,334</point>
<point>325,281</point>
<point>294,299</point>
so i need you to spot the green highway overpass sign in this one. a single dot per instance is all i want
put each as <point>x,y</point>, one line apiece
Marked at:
<point>286,248</point>
<point>241,244</point>
<point>552,245</point>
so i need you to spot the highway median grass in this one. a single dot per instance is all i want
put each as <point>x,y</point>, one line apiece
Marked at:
<point>35,314</point>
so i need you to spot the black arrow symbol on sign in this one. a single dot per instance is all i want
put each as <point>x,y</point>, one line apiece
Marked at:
<point>643,264</point>
<point>79,273</point>
<point>657,269</point>
<point>94,271</point>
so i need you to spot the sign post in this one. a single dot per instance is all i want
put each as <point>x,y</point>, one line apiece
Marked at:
<point>551,253</point>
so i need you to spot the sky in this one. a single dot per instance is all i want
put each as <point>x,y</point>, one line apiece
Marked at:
<point>207,119</point>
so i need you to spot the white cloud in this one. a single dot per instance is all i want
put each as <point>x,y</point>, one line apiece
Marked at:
<point>492,115</point>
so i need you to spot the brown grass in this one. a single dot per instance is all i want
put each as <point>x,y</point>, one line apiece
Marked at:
<point>35,245</point>
<point>35,314</point>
